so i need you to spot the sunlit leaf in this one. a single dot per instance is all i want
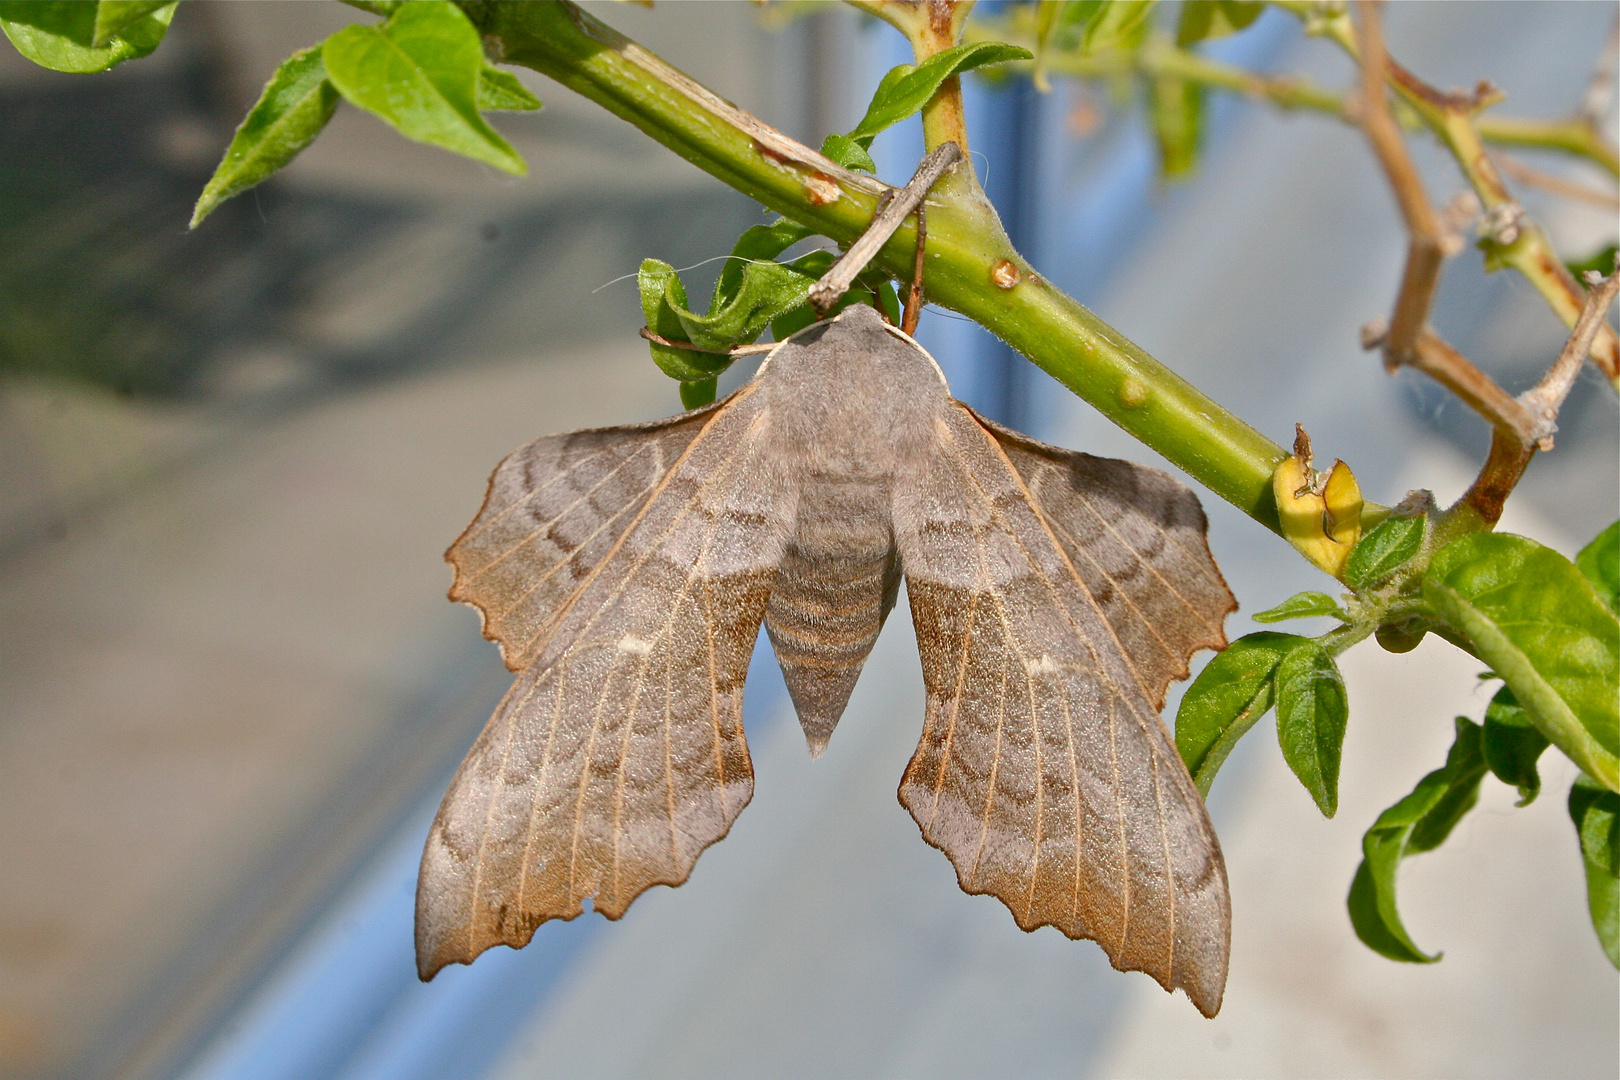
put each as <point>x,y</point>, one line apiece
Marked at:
<point>114,16</point>
<point>1600,562</point>
<point>1596,813</point>
<point>292,109</point>
<point>901,95</point>
<point>1204,19</point>
<point>1301,606</point>
<point>1383,551</point>
<point>1311,714</point>
<point>1538,622</point>
<point>419,71</point>
<point>1232,692</point>
<point>848,153</point>
<point>1420,822</point>
<point>1512,745</point>
<point>57,34</point>
<point>500,90</point>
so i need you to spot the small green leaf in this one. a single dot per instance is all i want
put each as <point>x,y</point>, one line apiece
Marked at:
<point>1301,606</point>
<point>1232,692</point>
<point>1601,260</point>
<point>113,16</point>
<point>1420,822</point>
<point>1596,814</point>
<point>1600,562</point>
<point>1512,745</point>
<point>760,243</point>
<point>419,71</point>
<point>57,34</point>
<point>292,109</point>
<point>1176,107</point>
<point>1383,551</point>
<point>1311,716</point>
<point>848,153</point>
<point>1118,24</point>
<point>1202,20</point>
<point>1537,621</point>
<point>500,90</point>
<point>900,95</point>
<point>662,297</point>
<point>695,395</point>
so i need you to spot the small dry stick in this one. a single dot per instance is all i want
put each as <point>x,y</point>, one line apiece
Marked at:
<point>1555,185</point>
<point>914,298</point>
<point>1545,399</point>
<point>842,274</point>
<point>1510,454</point>
<point>1425,250</point>
<point>735,350</point>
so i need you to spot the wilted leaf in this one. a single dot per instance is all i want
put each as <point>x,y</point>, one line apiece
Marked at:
<point>1311,715</point>
<point>1600,562</point>
<point>500,90</point>
<point>58,34</point>
<point>1383,551</point>
<point>1232,692</point>
<point>1537,621</point>
<point>292,109</point>
<point>419,71</point>
<point>1512,745</point>
<point>1596,814</point>
<point>900,95</point>
<point>1301,606</point>
<point>1420,822</point>
<point>1204,19</point>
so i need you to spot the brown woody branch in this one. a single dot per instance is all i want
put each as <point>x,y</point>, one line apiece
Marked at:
<point>1425,249</point>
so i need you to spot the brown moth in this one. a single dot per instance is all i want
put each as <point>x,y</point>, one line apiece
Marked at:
<point>625,571</point>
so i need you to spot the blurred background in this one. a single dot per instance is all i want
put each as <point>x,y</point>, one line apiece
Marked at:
<point>232,691</point>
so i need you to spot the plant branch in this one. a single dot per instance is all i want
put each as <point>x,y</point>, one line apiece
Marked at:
<point>1547,397</point>
<point>1424,252</point>
<point>843,272</point>
<point>1514,240</point>
<point>932,26</point>
<point>1555,185</point>
<point>965,243</point>
<point>1159,57</point>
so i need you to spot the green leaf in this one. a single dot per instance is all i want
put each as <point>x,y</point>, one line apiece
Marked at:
<point>848,153</point>
<point>695,395</point>
<point>760,243</point>
<point>1176,108</point>
<point>1601,260</point>
<point>113,16</point>
<point>1311,716</point>
<point>501,90</point>
<point>1118,24</point>
<point>1596,814</point>
<point>1232,692</point>
<point>1301,606</point>
<point>419,71</point>
<point>905,90</point>
<point>1383,551</point>
<point>1600,562</point>
<point>1420,822</point>
<point>1204,19</point>
<point>662,296</point>
<point>1537,621</point>
<point>57,34</point>
<point>292,109</point>
<point>1512,745</point>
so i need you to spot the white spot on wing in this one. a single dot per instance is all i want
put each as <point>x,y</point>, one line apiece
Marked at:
<point>1044,666</point>
<point>632,644</point>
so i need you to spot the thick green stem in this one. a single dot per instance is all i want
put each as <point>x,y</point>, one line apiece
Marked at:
<point>971,267</point>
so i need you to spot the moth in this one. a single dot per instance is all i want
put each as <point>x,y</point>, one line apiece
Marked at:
<point>625,572</point>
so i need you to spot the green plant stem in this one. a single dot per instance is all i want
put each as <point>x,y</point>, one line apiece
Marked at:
<point>965,242</point>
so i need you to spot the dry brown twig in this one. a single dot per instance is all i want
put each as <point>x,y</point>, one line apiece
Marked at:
<point>1425,250</point>
<point>1554,185</point>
